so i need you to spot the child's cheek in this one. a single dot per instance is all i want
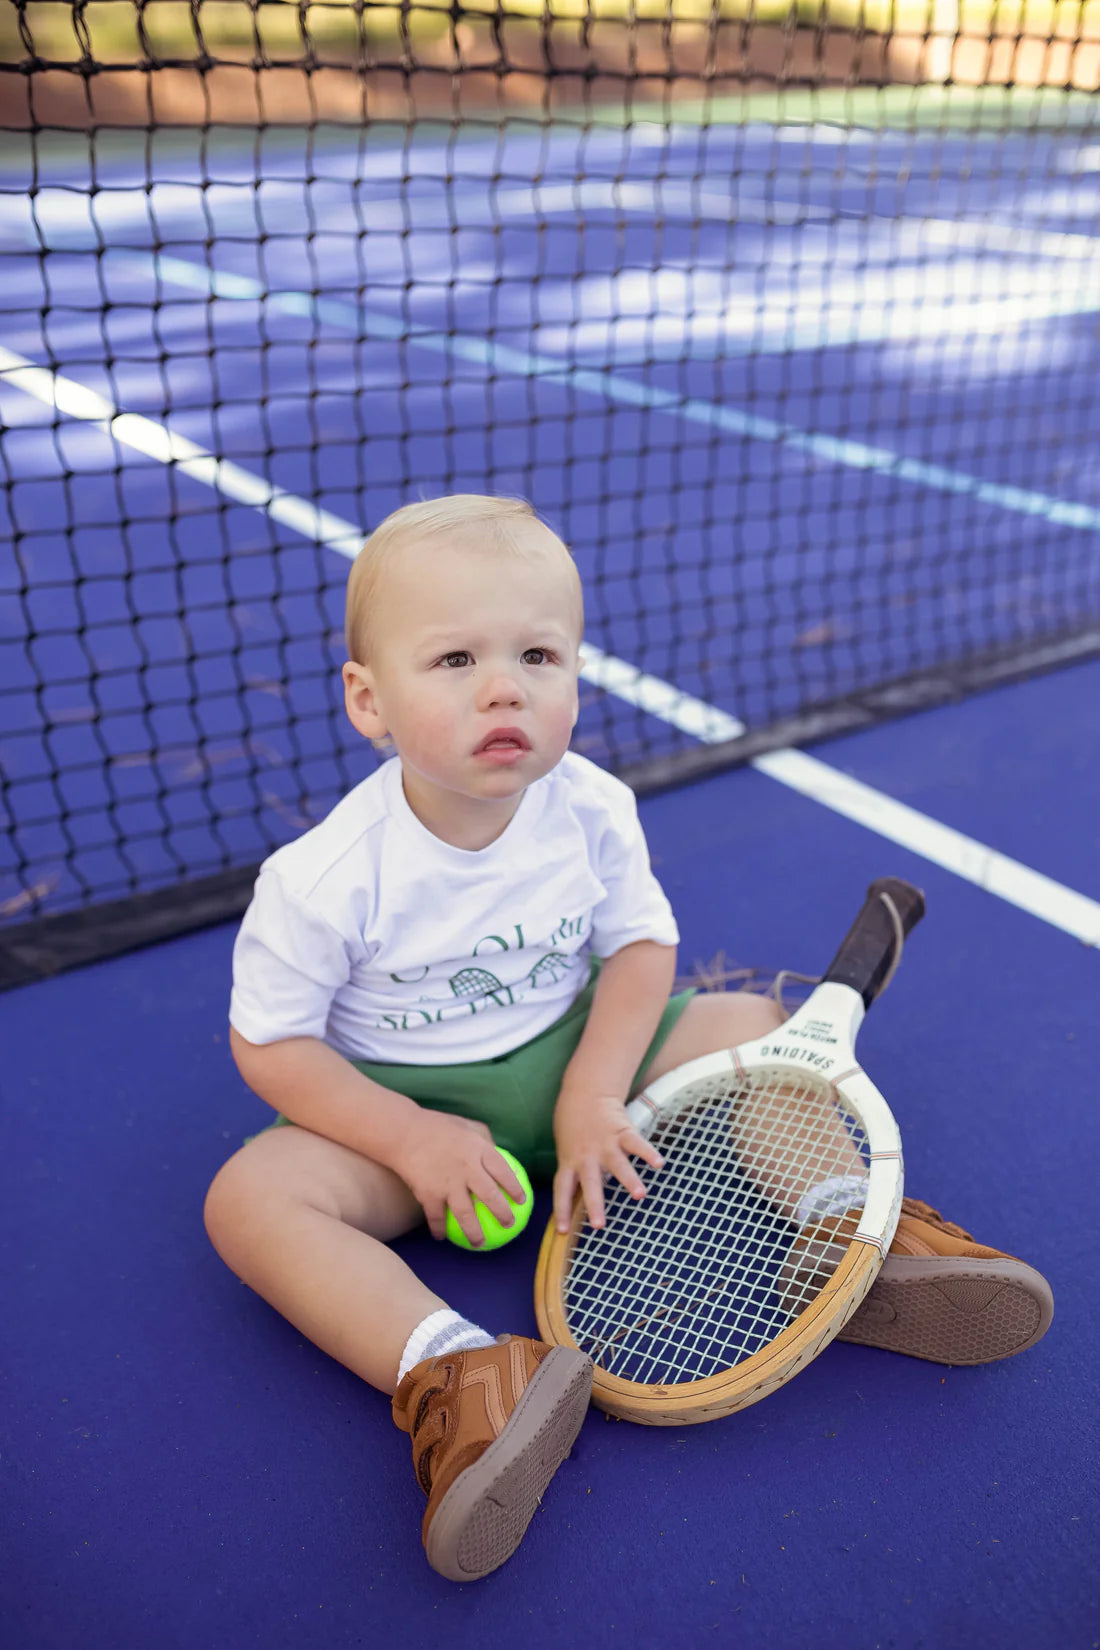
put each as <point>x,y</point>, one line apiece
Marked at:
<point>562,726</point>
<point>566,715</point>
<point>434,736</point>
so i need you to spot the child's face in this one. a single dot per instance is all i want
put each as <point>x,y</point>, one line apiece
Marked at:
<point>470,643</point>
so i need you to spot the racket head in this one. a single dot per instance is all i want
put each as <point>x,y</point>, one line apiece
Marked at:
<point>706,1323</point>
<point>690,1301</point>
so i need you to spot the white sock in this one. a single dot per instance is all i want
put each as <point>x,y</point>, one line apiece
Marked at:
<point>439,1332</point>
<point>833,1197</point>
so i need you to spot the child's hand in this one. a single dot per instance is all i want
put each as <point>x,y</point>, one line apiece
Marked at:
<point>593,1135</point>
<point>446,1162</point>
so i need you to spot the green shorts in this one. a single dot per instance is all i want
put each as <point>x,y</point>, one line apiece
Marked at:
<point>515,1093</point>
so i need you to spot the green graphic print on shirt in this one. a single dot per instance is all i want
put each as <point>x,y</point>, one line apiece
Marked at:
<point>475,988</point>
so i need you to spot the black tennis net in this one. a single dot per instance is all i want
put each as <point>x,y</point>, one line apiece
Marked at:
<point>784,317</point>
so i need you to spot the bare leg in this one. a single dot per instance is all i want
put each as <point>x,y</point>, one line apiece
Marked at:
<point>306,1224</point>
<point>711,1021</point>
<point>717,1020</point>
<point>762,1139</point>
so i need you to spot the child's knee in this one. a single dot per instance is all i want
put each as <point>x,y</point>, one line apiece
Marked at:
<point>288,1171</point>
<point>226,1201</point>
<point>731,1017</point>
<point>760,1014</point>
<point>251,1180</point>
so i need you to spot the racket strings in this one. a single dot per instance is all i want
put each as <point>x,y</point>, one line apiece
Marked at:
<point>698,1275</point>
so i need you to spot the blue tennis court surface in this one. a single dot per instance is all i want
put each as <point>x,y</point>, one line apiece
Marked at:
<point>862,357</point>
<point>187,1470</point>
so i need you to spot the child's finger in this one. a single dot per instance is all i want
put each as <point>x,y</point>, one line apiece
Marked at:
<point>626,1174</point>
<point>486,1190</point>
<point>565,1186</point>
<point>435,1214</point>
<point>638,1146</point>
<point>506,1177</point>
<point>462,1207</point>
<point>592,1186</point>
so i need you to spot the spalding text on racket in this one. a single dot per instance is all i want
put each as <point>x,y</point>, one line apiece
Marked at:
<point>778,1199</point>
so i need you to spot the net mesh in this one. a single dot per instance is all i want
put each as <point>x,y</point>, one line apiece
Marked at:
<point>709,1267</point>
<point>783,316</point>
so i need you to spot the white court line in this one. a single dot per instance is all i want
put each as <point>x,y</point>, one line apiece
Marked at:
<point>694,202</point>
<point>157,441</point>
<point>1007,878</point>
<point>59,215</point>
<point>610,386</point>
<point>973,861</point>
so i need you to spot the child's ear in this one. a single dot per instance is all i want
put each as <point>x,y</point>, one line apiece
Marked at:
<point>361,701</point>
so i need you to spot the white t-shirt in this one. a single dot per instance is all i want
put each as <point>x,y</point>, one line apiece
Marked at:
<point>391,945</point>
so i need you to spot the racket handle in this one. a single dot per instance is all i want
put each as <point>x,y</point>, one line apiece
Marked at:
<point>868,953</point>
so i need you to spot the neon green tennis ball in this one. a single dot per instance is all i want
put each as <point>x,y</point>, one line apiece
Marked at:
<point>496,1235</point>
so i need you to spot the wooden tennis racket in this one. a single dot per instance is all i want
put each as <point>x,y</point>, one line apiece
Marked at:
<point>769,1221</point>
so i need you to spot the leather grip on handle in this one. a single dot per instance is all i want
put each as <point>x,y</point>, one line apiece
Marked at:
<point>867,953</point>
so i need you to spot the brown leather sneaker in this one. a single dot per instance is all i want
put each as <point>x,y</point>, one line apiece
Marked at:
<point>944,1297</point>
<point>489,1427</point>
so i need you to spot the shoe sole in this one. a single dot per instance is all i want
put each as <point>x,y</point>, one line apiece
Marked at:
<point>483,1516</point>
<point>953,1311</point>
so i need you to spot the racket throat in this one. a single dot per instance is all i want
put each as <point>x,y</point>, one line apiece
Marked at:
<point>821,1034</point>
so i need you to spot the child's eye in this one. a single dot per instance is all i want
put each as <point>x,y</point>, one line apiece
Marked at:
<point>531,655</point>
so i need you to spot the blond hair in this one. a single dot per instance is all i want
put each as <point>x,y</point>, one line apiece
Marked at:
<point>502,519</point>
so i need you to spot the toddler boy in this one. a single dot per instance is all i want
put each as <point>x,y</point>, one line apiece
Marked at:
<point>471,951</point>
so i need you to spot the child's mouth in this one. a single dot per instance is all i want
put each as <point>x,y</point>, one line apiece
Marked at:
<point>503,747</point>
<point>501,752</point>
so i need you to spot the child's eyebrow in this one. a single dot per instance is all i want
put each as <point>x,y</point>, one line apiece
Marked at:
<point>461,637</point>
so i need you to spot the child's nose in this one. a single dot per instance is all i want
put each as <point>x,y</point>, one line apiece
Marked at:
<point>503,689</point>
